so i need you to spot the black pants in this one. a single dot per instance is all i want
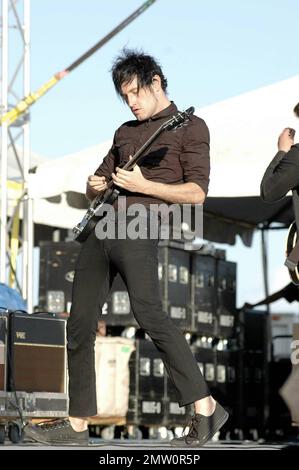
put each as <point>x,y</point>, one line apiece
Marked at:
<point>137,263</point>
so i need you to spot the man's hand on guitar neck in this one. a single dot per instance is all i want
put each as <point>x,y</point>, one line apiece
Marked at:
<point>95,185</point>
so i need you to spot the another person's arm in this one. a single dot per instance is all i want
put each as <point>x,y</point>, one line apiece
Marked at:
<point>282,174</point>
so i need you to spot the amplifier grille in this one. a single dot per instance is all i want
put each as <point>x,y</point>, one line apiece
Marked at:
<point>39,368</point>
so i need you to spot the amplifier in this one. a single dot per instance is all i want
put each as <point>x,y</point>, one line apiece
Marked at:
<point>117,308</point>
<point>176,415</point>
<point>147,402</point>
<point>203,294</point>
<point>226,298</point>
<point>146,411</point>
<point>37,345</point>
<point>206,360</point>
<point>228,390</point>
<point>174,276</point>
<point>56,275</point>
<point>147,376</point>
<point>3,351</point>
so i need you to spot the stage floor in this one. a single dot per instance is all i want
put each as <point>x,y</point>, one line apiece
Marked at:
<point>147,444</point>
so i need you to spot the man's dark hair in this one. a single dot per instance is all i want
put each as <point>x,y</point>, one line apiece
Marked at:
<point>131,64</point>
<point>296,110</point>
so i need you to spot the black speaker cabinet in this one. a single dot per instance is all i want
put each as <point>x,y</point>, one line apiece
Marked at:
<point>203,294</point>
<point>117,308</point>
<point>147,403</point>
<point>226,298</point>
<point>37,346</point>
<point>206,360</point>
<point>174,279</point>
<point>147,375</point>
<point>174,276</point>
<point>56,275</point>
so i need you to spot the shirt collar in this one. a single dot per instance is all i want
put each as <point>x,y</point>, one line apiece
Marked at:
<point>171,109</point>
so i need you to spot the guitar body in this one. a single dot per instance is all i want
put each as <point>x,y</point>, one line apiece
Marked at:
<point>291,242</point>
<point>90,220</point>
<point>86,230</point>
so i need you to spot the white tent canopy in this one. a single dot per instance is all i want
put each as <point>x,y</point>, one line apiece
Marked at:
<point>13,169</point>
<point>67,173</point>
<point>244,132</point>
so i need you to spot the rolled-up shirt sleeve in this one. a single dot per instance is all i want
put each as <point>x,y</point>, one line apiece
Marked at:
<point>195,155</point>
<point>281,176</point>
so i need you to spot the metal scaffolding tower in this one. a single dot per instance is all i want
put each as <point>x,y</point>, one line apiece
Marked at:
<point>15,83</point>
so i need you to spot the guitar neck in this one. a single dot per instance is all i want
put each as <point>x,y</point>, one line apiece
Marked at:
<point>131,163</point>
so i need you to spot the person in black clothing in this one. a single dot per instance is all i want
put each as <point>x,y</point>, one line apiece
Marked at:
<point>176,171</point>
<point>282,175</point>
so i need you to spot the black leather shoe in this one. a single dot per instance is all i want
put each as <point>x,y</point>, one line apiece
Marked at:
<point>202,428</point>
<point>57,432</point>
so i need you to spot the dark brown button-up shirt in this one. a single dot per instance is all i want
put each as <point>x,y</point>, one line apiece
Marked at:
<point>175,157</point>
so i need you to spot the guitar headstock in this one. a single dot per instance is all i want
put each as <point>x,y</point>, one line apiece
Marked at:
<point>180,119</point>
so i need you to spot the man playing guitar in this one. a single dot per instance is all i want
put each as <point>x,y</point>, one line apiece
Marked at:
<point>175,170</point>
<point>281,176</point>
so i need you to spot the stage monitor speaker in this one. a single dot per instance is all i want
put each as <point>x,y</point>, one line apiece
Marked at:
<point>37,346</point>
<point>204,294</point>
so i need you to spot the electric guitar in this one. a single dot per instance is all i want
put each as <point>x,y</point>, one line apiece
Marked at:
<point>82,229</point>
<point>291,242</point>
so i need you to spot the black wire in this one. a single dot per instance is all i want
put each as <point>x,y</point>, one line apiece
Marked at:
<point>11,374</point>
<point>110,35</point>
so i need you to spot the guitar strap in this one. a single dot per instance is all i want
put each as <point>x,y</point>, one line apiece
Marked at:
<point>293,259</point>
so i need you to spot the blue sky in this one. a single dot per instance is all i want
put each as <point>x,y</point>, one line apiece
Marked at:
<point>209,51</point>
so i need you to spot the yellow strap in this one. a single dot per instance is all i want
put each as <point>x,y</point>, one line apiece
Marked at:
<point>16,189</point>
<point>24,104</point>
<point>14,185</point>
